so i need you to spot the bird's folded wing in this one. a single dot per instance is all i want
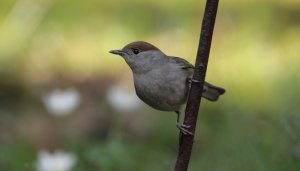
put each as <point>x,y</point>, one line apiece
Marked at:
<point>184,64</point>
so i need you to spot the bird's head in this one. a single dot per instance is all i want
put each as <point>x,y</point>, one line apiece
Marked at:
<point>141,56</point>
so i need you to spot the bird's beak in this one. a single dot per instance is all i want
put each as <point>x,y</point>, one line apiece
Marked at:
<point>118,52</point>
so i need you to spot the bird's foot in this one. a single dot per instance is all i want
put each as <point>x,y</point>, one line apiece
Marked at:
<point>191,80</point>
<point>183,129</point>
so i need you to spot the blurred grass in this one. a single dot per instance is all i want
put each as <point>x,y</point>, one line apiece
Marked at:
<point>255,56</point>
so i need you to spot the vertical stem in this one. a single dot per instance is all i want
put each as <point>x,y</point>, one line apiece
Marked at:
<point>194,99</point>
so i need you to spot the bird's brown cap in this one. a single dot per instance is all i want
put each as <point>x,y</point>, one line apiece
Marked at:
<point>140,45</point>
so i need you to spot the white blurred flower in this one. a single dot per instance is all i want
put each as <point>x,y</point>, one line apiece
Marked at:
<point>58,161</point>
<point>62,102</point>
<point>122,100</point>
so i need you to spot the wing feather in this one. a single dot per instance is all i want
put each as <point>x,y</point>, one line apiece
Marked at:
<point>184,64</point>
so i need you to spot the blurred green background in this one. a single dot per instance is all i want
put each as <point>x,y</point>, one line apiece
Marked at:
<point>55,53</point>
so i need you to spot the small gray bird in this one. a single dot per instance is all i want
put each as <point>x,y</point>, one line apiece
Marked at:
<point>162,81</point>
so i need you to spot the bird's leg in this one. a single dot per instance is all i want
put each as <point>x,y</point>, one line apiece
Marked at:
<point>191,80</point>
<point>183,128</point>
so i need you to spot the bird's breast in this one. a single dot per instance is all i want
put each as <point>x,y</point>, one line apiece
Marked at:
<point>162,89</point>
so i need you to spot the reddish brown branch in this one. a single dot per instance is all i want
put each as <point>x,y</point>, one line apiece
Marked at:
<point>194,99</point>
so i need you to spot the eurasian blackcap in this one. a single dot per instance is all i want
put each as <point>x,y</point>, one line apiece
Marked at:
<point>162,81</point>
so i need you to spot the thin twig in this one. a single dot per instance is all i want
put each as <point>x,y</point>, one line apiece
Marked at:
<point>194,99</point>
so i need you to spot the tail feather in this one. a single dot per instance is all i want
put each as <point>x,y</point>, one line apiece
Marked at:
<point>211,92</point>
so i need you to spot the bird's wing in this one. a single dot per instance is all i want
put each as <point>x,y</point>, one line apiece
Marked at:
<point>182,62</point>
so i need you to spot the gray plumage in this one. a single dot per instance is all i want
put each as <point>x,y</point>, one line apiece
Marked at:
<point>162,81</point>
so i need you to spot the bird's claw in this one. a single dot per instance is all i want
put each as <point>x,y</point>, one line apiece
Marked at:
<point>183,129</point>
<point>191,80</point>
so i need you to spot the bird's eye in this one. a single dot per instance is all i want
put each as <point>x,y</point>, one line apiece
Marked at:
<point>135,51</point>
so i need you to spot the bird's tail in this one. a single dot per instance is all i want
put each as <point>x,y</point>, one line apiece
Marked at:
<point>211,92</point>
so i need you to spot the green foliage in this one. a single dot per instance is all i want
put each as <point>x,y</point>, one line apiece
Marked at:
<point>255,56</point>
